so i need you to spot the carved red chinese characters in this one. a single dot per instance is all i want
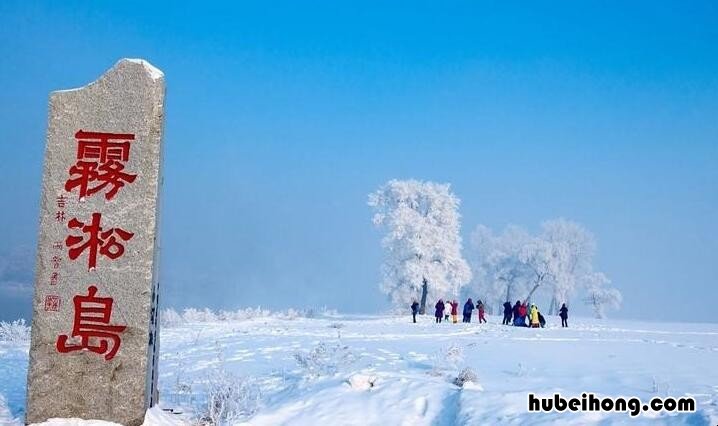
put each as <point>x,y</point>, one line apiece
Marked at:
<point>98,240</point>
<point>92,325</point>
<point>100,163</point>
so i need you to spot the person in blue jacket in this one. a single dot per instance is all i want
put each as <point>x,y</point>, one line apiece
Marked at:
<point>468,309</point>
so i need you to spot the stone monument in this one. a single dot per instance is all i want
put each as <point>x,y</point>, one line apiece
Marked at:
<point>94,347</point>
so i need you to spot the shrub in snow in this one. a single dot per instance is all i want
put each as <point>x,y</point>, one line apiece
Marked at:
<point>467,375</point>
<point>324,359</point>
<point>230,398</point>
<point>16,331</point>
<point>447,359</point>
<point>194,315</point>
<point>5,415</point>
<point>291,314</point>
<point>661,386</point>
<point>521,370</point>
<point>170,318</point>
<point>454,355</point>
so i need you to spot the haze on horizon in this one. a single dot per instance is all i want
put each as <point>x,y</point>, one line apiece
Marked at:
<point>280,122</point>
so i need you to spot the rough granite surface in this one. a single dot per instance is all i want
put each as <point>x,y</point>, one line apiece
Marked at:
<point>129,98</point>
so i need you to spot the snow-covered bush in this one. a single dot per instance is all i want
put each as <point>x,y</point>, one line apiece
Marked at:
<point>170,318</point>
<point>449,357</point>
<point>5,415</point>
<point>16,331</point>
<point>291,314</point>
<point>467,375</point>
<point>230,398</point>
<point>244,314</point>
<point>325,360</point>
<point>195,315</point>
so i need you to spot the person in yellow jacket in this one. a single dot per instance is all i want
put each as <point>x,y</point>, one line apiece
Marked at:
<point>534,316</point>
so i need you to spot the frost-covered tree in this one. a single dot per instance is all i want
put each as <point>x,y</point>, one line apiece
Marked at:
<point>599,296</point>
<point>422,246</point>
<point>539,257</point>
<point>498,270</point>
<point>573,248</point>
<point>559,260</point>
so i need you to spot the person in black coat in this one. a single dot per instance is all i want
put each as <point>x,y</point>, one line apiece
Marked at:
<point>439,311</point>
<point>414,309</point>
<point>542,320</point>
<point>507,313</point>
<point>563,313</point>
<point>468,309</point>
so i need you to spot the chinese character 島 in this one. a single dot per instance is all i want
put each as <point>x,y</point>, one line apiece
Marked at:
<point>98,240</point>
<point>101,158</point>
<point>92,321</point>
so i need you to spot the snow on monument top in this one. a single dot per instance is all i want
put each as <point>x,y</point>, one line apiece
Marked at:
<point>153,72</point>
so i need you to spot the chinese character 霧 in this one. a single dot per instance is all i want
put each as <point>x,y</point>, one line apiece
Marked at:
<point>100,165</point>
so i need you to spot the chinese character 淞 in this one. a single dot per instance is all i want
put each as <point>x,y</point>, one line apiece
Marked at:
<point>104,242</point>
<point>92,321</point>
<point>100,163</point>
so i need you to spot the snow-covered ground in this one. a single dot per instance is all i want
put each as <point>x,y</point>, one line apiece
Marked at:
<point>382,370</point>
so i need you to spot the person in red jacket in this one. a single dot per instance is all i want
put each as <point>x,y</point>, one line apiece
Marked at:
<point>523,311</point>
<point>480,307</point>
<point>455,311</point>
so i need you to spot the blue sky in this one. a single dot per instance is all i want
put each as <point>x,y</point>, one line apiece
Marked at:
<point>281,119</point>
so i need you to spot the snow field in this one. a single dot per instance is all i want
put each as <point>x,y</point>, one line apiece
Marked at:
<point>384,370</point>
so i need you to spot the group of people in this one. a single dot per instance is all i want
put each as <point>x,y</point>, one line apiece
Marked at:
<point>520,314</point>
<point>444,309</point>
